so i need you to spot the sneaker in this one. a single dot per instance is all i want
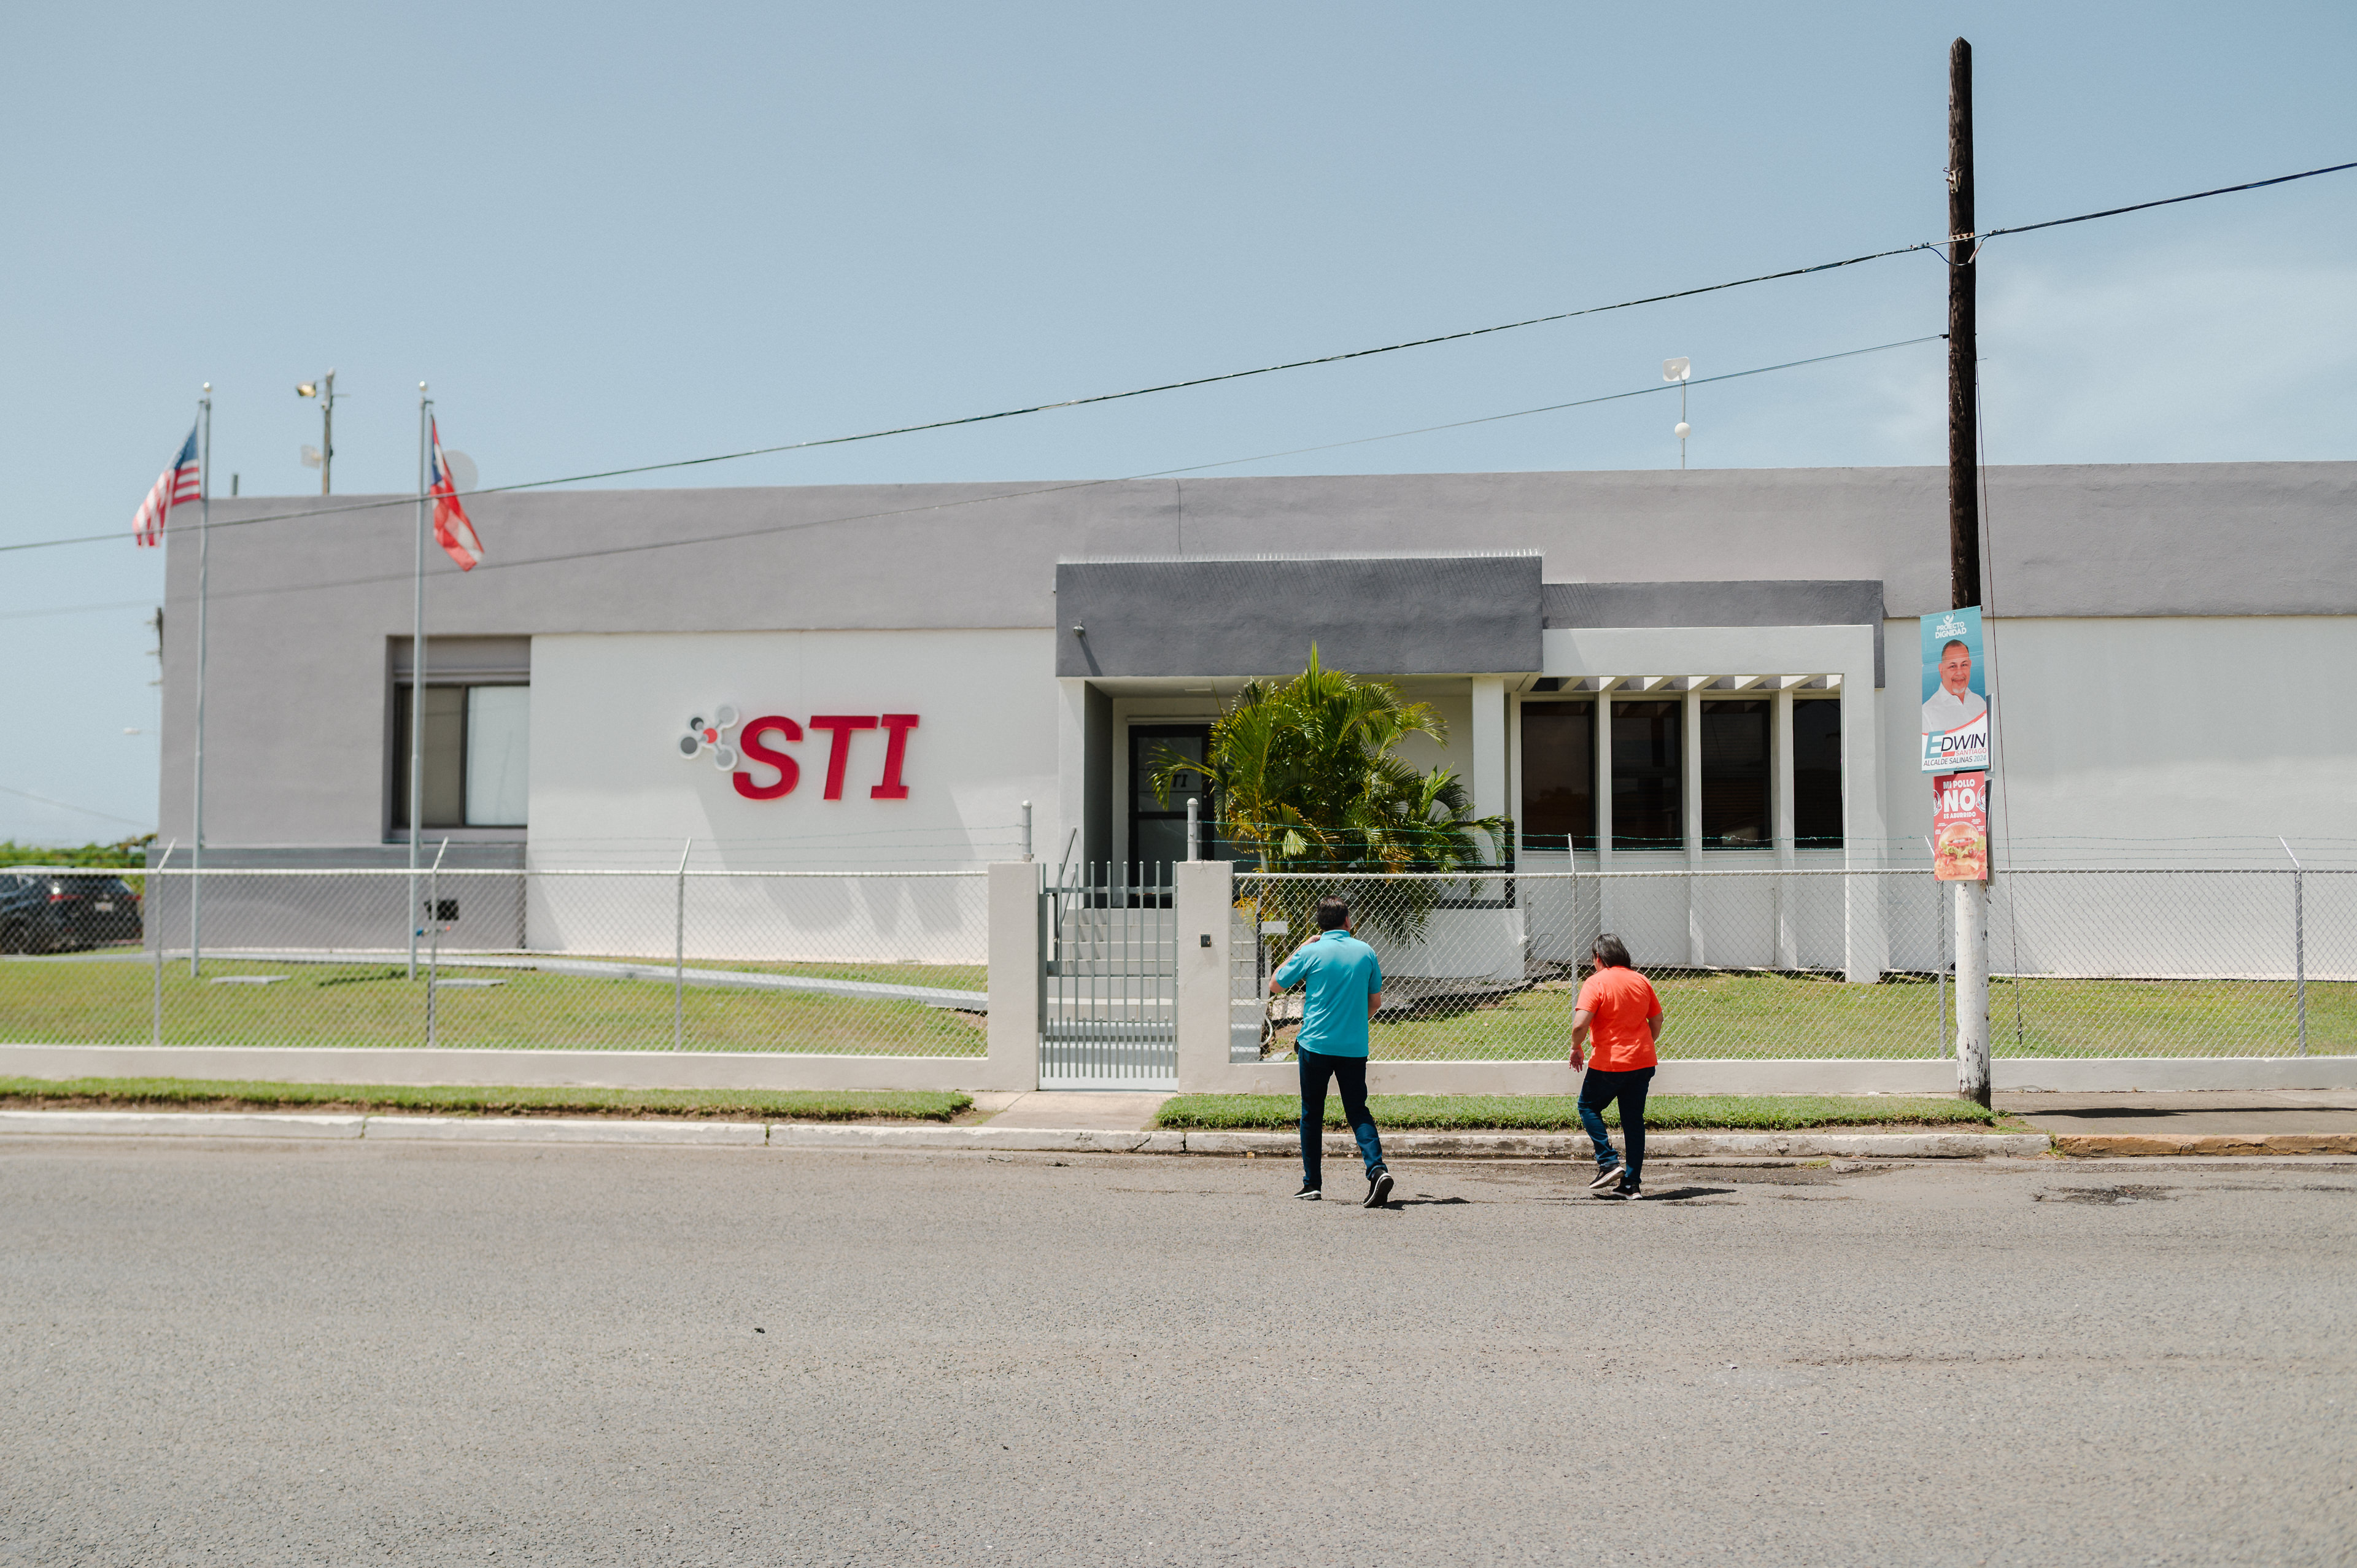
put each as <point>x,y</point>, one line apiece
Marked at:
<point>1379,1188</point>
<point>1606,1174</point>
<point>1629,1191</point>
<point>1309,1194</point>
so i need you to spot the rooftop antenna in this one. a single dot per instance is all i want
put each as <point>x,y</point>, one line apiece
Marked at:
<point>1681,370</point>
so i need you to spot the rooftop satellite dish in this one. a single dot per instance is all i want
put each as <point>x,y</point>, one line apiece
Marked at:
<point>310,457</point>
<point>1676,370</point>
<point>462,469</point>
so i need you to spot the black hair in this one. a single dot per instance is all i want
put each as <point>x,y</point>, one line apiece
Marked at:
<point>1333,914</point>
<point>1611,952</point>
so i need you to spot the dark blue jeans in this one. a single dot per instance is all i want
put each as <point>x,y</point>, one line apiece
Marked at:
<point>1350,1076</point>
<point>1599,1089</point>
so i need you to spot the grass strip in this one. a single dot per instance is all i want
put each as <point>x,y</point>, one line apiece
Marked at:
<point>1555,1112</point>
<point>242,1094</point>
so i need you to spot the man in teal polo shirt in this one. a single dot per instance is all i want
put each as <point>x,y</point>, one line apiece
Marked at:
<point>1342,987</point>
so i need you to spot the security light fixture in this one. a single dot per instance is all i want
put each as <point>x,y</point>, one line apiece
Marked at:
<point>1681,370</point>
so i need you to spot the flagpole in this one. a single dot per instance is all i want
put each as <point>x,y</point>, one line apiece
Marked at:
<point>204,575</point>
<point>418,683</point>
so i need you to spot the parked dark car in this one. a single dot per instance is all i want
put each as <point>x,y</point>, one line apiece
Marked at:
<point>49,911</point>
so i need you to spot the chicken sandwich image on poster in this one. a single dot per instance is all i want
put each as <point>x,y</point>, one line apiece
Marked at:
<point>1960,828</point>
<point>1955,692</point>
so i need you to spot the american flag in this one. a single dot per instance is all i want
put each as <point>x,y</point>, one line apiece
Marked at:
<point>178,483</point>
<point>451,529</point>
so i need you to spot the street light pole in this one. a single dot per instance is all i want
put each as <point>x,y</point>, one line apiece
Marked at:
<point>1972,898</point>
<point>324,389</point>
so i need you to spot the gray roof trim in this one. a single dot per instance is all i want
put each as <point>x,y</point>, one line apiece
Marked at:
<point>1303,556</point>
<point>1430,615</point>
<point>1809,602</point>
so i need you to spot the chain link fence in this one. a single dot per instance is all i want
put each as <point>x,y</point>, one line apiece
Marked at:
<point>1806,963</point>
<point>883,963</point>
<point>1767,964</point>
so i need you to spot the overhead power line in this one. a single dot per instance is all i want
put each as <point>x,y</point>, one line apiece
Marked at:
<point>676,543</point>
<point>2164,201</point>
<point>70,806</point>
<point>1925,245</point>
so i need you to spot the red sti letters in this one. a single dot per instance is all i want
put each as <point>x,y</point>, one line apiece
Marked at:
<point>756,750</point>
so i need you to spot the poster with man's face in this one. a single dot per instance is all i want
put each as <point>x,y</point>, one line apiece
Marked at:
<point>1955,692</point>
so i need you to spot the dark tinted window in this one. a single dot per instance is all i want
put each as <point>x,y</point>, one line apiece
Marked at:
<point>1647,795</point>
<point>1558,776</point>
<point>1817,774</point>
<point>1735,775</point>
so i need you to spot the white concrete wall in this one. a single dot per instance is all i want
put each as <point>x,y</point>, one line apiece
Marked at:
<point>2212,734</point>
<point>607,777</point>
<point>610,789</point>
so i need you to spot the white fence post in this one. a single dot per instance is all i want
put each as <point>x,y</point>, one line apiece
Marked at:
<point>1014,1031</point>
<point>1203,898</point>
<point>151,908</point>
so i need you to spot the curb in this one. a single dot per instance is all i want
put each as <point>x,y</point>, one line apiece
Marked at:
<point>1034,1140</point>
<point>1831,1143</point>
<point>1828,1144</point>
<point>558,1130</point>
<point>2146,1145</point>
<point>180,1123</point>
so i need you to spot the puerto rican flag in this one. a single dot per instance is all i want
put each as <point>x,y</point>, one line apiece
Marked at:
<point>451,529</point>
<point>180,482</point>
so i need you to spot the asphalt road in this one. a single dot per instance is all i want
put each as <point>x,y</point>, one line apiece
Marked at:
<point>359,1353</point>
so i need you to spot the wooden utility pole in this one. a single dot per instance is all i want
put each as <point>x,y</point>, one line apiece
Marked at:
<point>1964,543</point>
<point>1964,426</point>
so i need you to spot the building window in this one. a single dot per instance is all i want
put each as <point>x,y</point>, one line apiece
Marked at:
<point>1735,775</point>
<point>477,756</point>
<point>1648,787</point>
<point>1817,774</point>
<point>1558,776</point>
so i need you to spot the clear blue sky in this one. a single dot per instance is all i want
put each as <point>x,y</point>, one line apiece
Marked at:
<point>609,235</point>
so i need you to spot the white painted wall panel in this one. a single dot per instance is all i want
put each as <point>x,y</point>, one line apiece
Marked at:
<point>2210,735</point>
<point>610,787</point>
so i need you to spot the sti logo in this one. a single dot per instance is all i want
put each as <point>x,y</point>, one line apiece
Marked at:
<point>760,739</point>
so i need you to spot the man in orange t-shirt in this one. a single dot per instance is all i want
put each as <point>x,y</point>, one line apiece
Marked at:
<point>1618,1006</point>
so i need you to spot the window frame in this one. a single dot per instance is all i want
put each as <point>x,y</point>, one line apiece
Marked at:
<point>1764,710</point>
<point>398,718</point>
<point>1552,707</point>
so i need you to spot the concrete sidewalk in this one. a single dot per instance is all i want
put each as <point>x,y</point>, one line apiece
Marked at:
<point>2085,1125</point>
<point>2232,1122</point>
<point>1826,1144</point>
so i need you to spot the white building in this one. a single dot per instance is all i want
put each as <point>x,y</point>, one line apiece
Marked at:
<point>1694,670</point>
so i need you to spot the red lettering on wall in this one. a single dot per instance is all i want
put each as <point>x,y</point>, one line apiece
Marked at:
<point>839,755</point>
<point>895,750</point>
<point>788,771</point>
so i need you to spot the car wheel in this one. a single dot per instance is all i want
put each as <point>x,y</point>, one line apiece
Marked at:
<point>12,939</point>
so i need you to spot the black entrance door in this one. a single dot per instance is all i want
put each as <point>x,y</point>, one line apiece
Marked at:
<point>1157,834</point>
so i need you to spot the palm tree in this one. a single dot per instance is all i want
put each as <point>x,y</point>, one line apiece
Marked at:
<point>1308,778</point>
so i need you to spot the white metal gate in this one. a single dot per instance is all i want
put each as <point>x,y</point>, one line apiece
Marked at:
<point>1109,960</point>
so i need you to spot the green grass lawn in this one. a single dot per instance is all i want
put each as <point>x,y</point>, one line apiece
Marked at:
<point>1556,1113</point>
<point>1716,1016</point>
<point>1723,1017</point>
<point>196,1093</point>
<point>100,1002</point>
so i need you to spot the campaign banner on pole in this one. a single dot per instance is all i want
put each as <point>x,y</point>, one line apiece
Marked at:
<point>1955,692</point>
<point>1960,827</point>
